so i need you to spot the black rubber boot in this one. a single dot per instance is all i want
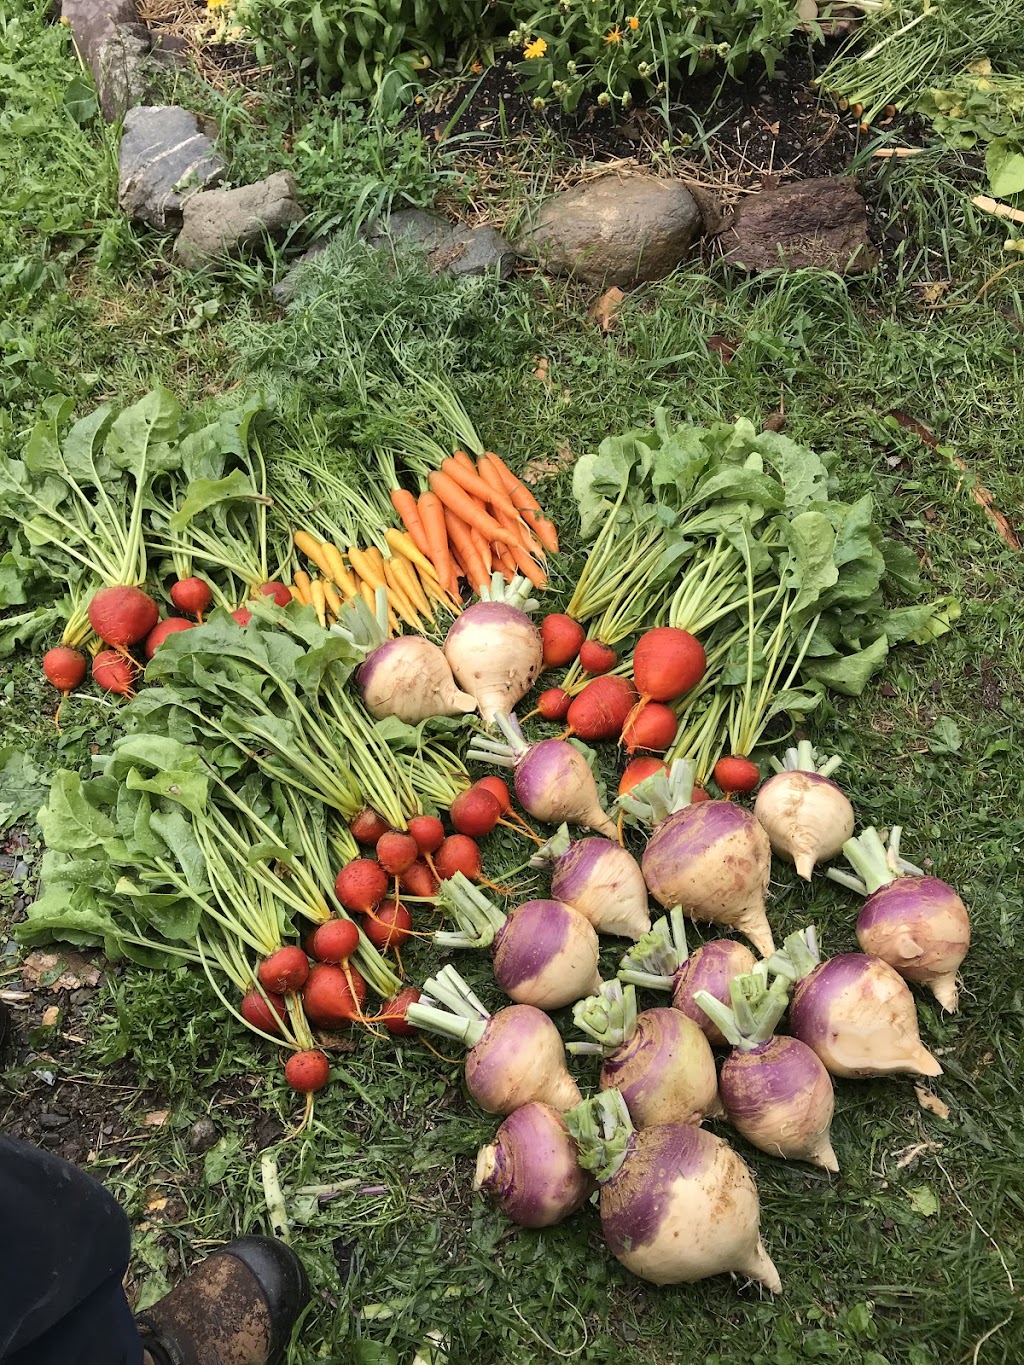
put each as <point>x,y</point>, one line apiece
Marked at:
<point>237,1308</point>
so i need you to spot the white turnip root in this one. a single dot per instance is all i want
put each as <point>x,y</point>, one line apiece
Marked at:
<point>774,1090</point>
<point>661,961</point>
<point>530,1170</point>
<point>516,1055</point>
<point>545,953</point>
<point>553,780</point>
<point>677,1204</point>
<point>807,817</point>
<point>854,1011</point>
<point>408,677</point>
<point>659,1061</point>
<point>600,879</point>
<point>713,858</point>
<point>496,654</point>
<point>915,923</point>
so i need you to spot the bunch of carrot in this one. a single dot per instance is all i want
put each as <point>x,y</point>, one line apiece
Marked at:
<point>475,519</point>
<point>405,574</point>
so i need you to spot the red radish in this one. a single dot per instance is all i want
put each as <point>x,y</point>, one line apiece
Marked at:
<point>651,725</point>
<point>736,774</point>
<point>698,795</point>
<point>458,853</point>
<point>192,595</point>
<point>171,626</point>
<point>418,880</point>
<point>428,832</point>
<point>561,637</point>
<point>283,971</point>
<point>64,667</point>
<point>242,615</point>
<point>554,704</point>
<point>307,1071</point>
<point>596,657</point>
<point>389,926</point>
<point>114,672</point>
<point>396,852</point>
<point>475,812</point>
<point>667,662</point>
<point>122,616</point>
<point>265,1014</point>
<point>602,708</point>
<point>638,771</point>
<point>498,789</point>
<point>333,995</point>
<point>367,827</point>
<point>334,941</point>
<point>392,1013</point>
<point>278,592</point>
<point>361,885</point>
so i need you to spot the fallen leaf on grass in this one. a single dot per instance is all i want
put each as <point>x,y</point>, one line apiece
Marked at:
<point>721,347</point>
<point>59,971</point>
<point>545,468</point>
<point>541,372</point>
<point>776,421</point>
<point>931,1104</point>
<point>931,293</point>
<point>924,1200</point>
<point>605,312</point>
<point>156,1118</point>
<point>51,1016</point>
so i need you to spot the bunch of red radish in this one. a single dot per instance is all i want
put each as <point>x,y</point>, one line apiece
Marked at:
<point>667,663</point>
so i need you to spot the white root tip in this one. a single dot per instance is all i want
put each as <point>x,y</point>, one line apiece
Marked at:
<point>762,1269</point>
<point>825,1157</point>
<point>804,864</point>
<point>924,1064</point>
<point>756,927</point>
<point>486,1161</point>
<point>946,990</point>
<point>462,701</point>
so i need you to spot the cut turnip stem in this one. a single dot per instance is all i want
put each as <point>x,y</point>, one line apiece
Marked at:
<point>530,1170</point>
<point>553,779</point>
<point>916,923</point>
<point>515,1056</point>
<point>775,1091</point>
<point>661,961</point>
<point>712,858</point>
<point>807,817</point>
<point>659,1061</point>
<point>545,952</point>
<point>677,1204</point>
<point>600,879</point>
<point>854,1011</point>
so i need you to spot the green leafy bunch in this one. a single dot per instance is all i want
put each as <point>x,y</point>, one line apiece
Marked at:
<point>980,107</point>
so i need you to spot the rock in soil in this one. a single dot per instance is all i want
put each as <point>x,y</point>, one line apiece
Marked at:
<point>616,230</point>
<point>202,1135</point>
<point>110,36</point>
<point>223,222</point>
<point>813,223</point>
<point>164,162</point>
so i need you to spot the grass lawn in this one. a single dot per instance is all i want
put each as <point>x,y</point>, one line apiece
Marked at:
<point>912,1256</point>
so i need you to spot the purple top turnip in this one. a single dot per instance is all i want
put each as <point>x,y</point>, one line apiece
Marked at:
<point>775,1091</point>
<point>530,1170</point>
<point>915,923</point>
<point>495,652</point>
<point>600,879</point>
<point>516,1056</point>
<point>807,817</point>
<point>659,1061</point>
<point>545,953</point>
<point>854,1011</point>
<point>677,1204</point>
<point>661,961</point>
<point>713,859</point>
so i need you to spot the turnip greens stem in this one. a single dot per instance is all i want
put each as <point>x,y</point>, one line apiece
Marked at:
<point>601,1128</point>
<point>661,795</point>
<point>656,957</point>
<point>477,918</point>
<point>609,1018</point>
<point>798,957</point>
<point>756,1009</point>
<point>876,863</point>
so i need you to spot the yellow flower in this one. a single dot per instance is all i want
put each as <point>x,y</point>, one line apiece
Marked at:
<point>633,22</point>
<point>615,36</point>
<point>535,49</point>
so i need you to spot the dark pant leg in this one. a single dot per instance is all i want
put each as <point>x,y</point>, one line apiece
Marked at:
<point>64,1246</point>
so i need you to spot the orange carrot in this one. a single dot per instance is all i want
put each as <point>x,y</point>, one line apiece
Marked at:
<point>547,534</point>
<point>478,487</point>
<point>457,500</point>
<point>524,502</point>
<point>483,548</point>
<point>460,535</point>
<point>504,561</point>
<point>405,505</point>
<point>463,459</point>
<point>432,518</point>
<point>526,538</point>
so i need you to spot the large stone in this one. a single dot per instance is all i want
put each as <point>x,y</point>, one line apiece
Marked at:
<point>618,229</point>
<point>165,161</point>
<point>223,222</point>
<point>115,42</point>
<point>811,223</point>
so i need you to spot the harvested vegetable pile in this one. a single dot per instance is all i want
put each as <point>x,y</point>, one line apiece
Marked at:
<point>309,768</point>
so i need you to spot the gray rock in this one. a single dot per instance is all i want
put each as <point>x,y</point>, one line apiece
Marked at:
<point>202,1135</point>
<point>451,248</point>
<point>818,224</point>
<point>221,222</point>
<point>165,161</point>
<point>52,1121</point>
<point>618,229</point>
<point>114,41</point>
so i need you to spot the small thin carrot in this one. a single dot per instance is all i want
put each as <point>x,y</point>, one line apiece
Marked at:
<point>410,585</point>
<point>505,562</point>
<point>300,581</point>
<point>405,505</point>
<point>436,593</point>
<point>463,459</point>
<point>311,548</point>
<point>334,602</point>
<point>528,540</point>
<point>401,544</point>
<point>468,478</point>
<point>525,503</point>
<point>528,566</point>
<point>339,570</point>
<point>365,567</point>
<point>432,516</point>
<point>316,592</point>
<point>397,597</point>
<point>459,534</point>
<point>483,548</point>
<point>296,595</point>
<point>457,500</point>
